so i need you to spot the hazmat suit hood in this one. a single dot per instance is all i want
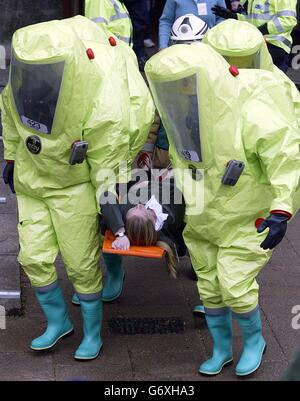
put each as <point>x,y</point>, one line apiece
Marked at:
<point>196,97</point>
<point>243,45</point>
<point>196,84</point>
<point>191,96</point>
<point>240,43</point>
<point>50,68</point>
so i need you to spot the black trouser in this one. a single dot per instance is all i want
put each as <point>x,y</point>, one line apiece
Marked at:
<point>140,19</point>
<point>280,57</point>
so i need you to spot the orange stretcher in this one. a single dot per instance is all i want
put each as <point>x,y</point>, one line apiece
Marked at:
<point>143,251</point>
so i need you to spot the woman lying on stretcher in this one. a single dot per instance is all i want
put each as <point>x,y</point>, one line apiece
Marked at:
<point>149,213</point>
<point>146,213</point>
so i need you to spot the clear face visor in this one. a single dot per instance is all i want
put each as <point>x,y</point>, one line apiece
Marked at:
<point>251,61</point>
<point>180,106</point>
<point>36,89</point>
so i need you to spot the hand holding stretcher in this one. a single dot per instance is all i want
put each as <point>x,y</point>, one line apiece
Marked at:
<point>143,251</point>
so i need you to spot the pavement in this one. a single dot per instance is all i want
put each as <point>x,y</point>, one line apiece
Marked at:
<point>148,293</point>
<point>9,268</point>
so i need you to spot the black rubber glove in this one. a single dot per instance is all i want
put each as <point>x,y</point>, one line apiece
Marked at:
<point>277,224</point>
<point>223,12</point>
<point>8,175</point>
<point>263,29</point>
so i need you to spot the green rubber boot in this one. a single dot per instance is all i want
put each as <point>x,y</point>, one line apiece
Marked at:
<point>199,311</point>
<point>113,284</point>
<point>92,315</point>
<point>254,343</point>
<point>220,327</point>
<point>59,325</point>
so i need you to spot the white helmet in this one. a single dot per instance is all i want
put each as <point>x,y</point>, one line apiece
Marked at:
<point>188,28</point>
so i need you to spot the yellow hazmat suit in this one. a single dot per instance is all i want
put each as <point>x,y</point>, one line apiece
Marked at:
<point>211,117</point>
<point>69,83</point>
<point>243,45</point>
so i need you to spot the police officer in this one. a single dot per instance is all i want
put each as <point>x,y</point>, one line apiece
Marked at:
<point>274,18</point>
<point>140,17</point>
<point>249,163</point>
<point>112,15</point>
<point>61,128</point>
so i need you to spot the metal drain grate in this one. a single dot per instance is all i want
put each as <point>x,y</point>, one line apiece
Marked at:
<point>146,325</point>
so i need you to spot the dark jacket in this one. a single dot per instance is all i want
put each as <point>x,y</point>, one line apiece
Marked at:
<point>114,212</point>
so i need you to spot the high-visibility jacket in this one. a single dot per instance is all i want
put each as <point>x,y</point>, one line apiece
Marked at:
<point>280,16</point>
<point>111,14</point>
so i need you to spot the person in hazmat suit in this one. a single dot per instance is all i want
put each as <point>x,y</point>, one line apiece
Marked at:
<point>111,15</point>
<point>75,106</point>
<point>275,19</point>
<point>239,168</point>
<point>242,45</point>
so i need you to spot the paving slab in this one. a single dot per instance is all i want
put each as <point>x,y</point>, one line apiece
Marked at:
<point>165,365</point>
<point>9,240</point>
<point>85,373</point>
<point>10,295</point>
<point>24,366</point>
<point>9,247</point>
<point>191,340</point>
<point>279,316</point>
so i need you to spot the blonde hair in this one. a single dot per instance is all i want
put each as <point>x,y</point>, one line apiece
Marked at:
<point>171,259</point>
<point>141,232</point>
